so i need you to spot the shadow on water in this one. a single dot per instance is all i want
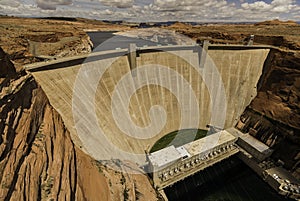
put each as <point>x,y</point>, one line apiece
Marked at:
<point>229,180</point>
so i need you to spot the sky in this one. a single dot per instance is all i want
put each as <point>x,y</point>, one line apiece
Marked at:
<point>157,10</point>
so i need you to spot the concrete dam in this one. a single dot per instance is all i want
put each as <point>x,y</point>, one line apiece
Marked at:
<point>118,103</point>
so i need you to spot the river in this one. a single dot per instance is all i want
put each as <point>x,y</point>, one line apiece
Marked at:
<point>229,180</point>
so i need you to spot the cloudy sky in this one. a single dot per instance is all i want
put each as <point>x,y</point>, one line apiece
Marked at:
<point>157,10</point>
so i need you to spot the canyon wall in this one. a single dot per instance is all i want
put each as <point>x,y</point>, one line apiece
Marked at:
<point>274,115</point>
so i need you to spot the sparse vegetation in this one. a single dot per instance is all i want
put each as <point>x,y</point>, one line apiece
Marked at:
<point>8,90</point>
<point>35,144</point>
<point>123,180</point>
<point>4,185</point>
<point>47,187</point>
<point>118,162</point>
<point>138,194</point>
<point>98,165</point>
<point>40,135</point>
<point>125,193</point>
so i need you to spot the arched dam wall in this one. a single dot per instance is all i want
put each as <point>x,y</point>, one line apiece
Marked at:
<point>164,91</point>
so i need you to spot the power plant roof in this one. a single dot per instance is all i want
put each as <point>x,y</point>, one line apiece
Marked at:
<point>171,154</point>
<point>209,142</point>
<point>164,156</point>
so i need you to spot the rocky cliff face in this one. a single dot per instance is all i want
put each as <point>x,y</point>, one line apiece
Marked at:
<point>279,88</point>
<point>274,115</point>
<point>38,160</point>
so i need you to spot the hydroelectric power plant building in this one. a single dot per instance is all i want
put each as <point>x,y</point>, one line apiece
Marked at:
<point>171,164</point>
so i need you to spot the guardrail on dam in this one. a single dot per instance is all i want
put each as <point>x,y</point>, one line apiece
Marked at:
<point>54,63</point>
<point>222,80</point>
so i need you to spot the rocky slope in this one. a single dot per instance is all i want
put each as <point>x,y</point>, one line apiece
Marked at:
<point>38,160</point>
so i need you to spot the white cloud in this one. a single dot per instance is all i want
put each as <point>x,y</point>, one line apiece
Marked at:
<point>277,6</point>
<point>167,3</point>
<point>12,3</point>
<point>281,2</point>
<point>118,3</point>
<point>52,4</point>
<point>156,10</point>
<point>258,5</point>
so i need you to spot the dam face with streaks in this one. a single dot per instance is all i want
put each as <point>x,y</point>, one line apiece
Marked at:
<point>118,107</point>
